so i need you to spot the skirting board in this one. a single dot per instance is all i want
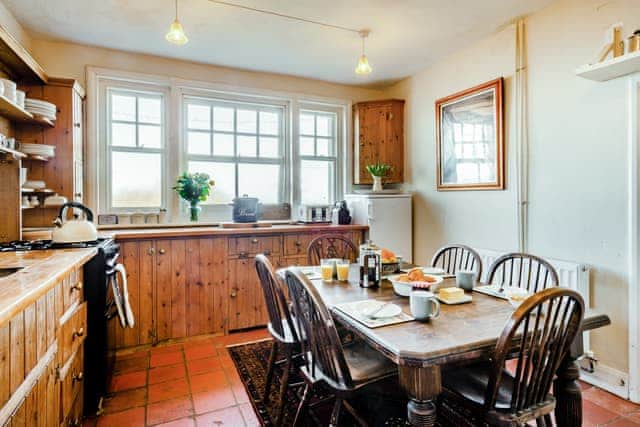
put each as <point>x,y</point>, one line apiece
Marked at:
<point>609,379</point>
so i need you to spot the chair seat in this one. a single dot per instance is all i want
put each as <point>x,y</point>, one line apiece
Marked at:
<point>471,383</point>
<point>366,364</point>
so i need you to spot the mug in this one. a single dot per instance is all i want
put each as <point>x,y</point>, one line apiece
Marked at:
<point>424,305</point>
<point>465,279</point>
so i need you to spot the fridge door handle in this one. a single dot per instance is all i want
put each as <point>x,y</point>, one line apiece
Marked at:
<point>369,212</point>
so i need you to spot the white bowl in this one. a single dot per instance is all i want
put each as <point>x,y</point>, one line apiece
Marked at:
<point>404,288</point>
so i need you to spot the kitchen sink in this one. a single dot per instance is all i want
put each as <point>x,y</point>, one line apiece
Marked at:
<point>4,272</point>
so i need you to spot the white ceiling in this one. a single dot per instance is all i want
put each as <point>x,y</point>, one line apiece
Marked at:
<point>406,35</point>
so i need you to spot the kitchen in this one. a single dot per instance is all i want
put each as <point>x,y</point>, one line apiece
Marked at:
<point>172,167</point>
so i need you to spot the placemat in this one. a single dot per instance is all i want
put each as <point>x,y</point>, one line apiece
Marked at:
<point>350,309</point>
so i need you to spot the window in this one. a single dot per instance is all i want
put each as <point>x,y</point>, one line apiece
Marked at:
<point>135,129</point>
<point>318,149</point>
<point>240,145</point>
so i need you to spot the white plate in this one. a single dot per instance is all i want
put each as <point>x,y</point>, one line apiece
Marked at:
<point>465,299</point>
<point>366,308</point>
<point>437,271</point>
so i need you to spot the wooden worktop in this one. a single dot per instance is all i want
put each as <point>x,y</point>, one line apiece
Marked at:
<point>160,232</point>
<point>40,271</point>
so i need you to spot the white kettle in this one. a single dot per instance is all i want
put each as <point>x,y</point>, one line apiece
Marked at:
<point>75,230</point>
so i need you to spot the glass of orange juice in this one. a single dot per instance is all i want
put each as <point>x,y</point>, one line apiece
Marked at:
<point>342,267</point>
<point>326,269</point>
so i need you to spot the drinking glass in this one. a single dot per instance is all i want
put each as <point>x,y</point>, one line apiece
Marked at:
<point>326,269</point>
<point>342,267</point>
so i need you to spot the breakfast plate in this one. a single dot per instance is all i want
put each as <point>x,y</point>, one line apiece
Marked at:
<point>403,285</point>
<point>378,309</point>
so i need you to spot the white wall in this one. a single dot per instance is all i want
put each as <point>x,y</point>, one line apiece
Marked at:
<point>578,151</point>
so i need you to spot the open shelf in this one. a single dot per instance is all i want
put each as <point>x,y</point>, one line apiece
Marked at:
<point>19,115</point>
<point>32,191</point>
<point>612,68</point>
<point>14,153</point>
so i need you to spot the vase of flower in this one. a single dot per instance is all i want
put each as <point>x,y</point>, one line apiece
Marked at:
<point>378,171</point>
<point>194,188</point>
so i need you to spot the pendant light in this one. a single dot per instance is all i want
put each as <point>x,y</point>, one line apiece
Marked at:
<point>363,66</point>
<point>176,33</point>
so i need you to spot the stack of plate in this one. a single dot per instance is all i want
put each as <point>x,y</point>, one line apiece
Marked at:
<point>41,150</point>
<point>40,108</point>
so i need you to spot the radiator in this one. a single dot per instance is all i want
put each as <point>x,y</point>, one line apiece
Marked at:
<point>572,275</point>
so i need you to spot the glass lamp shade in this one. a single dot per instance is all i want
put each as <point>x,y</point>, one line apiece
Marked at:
<point>176,34</point>
<point>363,66</point>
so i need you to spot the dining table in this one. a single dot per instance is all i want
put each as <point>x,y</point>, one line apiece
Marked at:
<point>460,334</point>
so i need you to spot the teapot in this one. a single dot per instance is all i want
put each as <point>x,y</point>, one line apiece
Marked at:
<point>75,230</point>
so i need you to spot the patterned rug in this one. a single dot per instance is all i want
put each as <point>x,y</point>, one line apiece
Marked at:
<point>384,406</point>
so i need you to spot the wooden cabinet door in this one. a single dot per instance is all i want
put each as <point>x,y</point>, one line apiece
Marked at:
<point>171,299</point>
<point>246,300</point>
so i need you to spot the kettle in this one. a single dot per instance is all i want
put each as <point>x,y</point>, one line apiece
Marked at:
<point>75,230</point>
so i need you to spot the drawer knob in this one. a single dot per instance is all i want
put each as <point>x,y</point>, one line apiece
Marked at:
<point>78,333</point>
<point>233,295</point>
<point>77,286</point>
<point>254,241</point>
<point>162,251</point>
<point>77,377</point>
<point>297,243</point>
<point>243,255</point>
<point>151,251</point>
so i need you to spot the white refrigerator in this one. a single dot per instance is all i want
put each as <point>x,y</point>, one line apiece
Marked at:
<point>389,219</point>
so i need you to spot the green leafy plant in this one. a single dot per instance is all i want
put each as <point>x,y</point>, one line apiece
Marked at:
<point>194,187</point>
<point>378,169</point>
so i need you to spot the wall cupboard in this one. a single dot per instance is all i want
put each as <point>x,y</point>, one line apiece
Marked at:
<point>378,136</point>
<point>186,286</point>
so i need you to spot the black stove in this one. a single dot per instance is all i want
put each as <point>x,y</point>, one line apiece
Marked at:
<point>35,245</point>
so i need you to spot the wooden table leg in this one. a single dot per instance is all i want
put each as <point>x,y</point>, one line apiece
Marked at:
<point>422,385</point>
<point>566,389</point>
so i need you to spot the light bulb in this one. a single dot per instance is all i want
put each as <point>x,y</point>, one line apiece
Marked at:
<point>176,34</point>
<point>363,66</point>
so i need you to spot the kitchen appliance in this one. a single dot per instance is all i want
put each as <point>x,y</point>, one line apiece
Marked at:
<point>389,218</point>
<point>370,261</point>
<point>75,230</point>
<point>340,214</point>
<point>99,345</point>
<point>314,214</point>
<point>245,209</point>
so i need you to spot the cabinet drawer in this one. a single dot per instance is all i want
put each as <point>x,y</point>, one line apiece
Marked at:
<point>72,377</point>
<point>251,245</point>
<point>297,244</point>
<point>73,331</point>
<point>72,289</point>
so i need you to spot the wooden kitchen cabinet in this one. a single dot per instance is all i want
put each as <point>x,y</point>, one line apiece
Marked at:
<point>378,136</point>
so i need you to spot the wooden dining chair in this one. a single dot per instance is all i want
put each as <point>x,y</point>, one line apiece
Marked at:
<point>540,332</point>
<point>331,246</point>
<point>521,270</point>
<point>344,371</point>
<point>281,327</point>
<point>452,258</point>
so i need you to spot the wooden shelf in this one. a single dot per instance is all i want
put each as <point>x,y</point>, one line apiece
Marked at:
<point>32,191</point>
<point>14,153</point>
<point>19,115</point>
<point>612,68</point>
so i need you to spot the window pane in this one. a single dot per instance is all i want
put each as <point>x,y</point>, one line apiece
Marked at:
<point>306,146</point>
<point>316,181</point>
<point>223,119</point>
<point>261,181</point>
<point>247,121</point>
<point>269,147</point>
<point>198,117</point>
<point>306,124</point>
<point>199,143</point>
<point>269,123</point>
<point>323,147</point>
<point>324,125</point>
<point>123,135</point>
<point>123,108</point>
<point>150,136</point>
<point>247,146</point>
<point>149,110</point>
<point>222,144</point>
<point>224,175</point>
<point>136,180</point>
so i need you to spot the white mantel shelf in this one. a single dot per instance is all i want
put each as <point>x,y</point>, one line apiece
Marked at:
<point>612,68</point>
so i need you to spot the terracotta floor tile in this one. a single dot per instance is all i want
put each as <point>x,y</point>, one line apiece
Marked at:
<point>214,380</point>
<point>634,416</point>
<point>167,348</point>
<point>624,422</point>
<point>168,390</point>
<point>207,364</point>
<point>125,400</point>
<point>200,351</point>
<point>240,393</point>
<point>132,417</point>
<point>594,415</point>
<point>128,381</point>
<point>249,415</point>
<point>132,354</point>
<point>184,422</point>
<point>198,341</point>
<point>164,359</point>
<point>169,410</point>
<point>213,400</point>
<point>609,401</point>
<point>166,373</point>
<point>230,417</point>
<point>132,364</point>
<point>226,360</point>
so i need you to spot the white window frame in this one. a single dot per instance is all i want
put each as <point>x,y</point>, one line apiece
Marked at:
<point>176,157</point>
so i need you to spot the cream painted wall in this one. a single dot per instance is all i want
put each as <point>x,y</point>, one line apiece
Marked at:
<point>70,60</point>
<point>578,155</point>
<point>8,21</point>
